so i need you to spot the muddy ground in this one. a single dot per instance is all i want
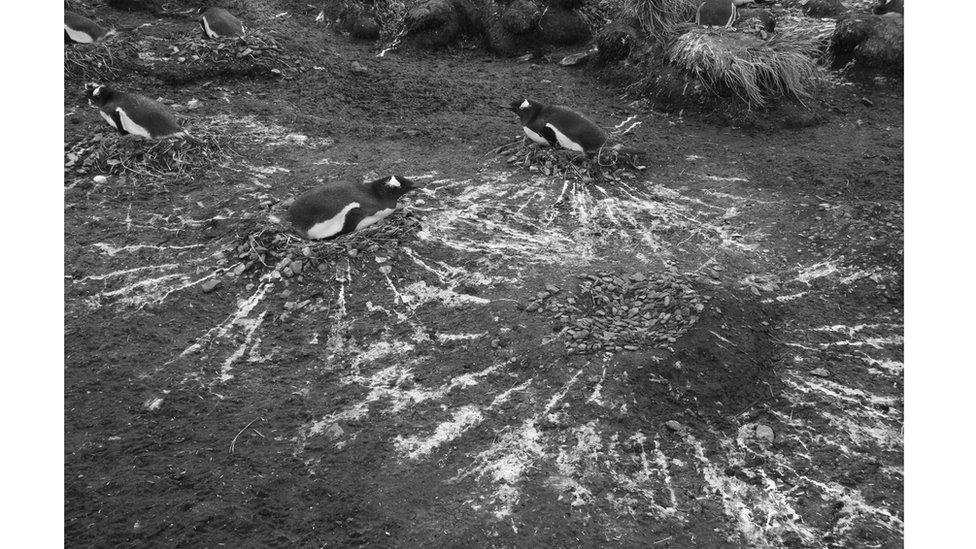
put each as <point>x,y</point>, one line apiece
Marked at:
<point>426,406</point>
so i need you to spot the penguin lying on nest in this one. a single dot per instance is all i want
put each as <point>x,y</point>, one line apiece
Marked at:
<point>339,207</point>
<point>562,127</point>
<point>131,113</point>
<point>82,30</point>
<point>220,23</point>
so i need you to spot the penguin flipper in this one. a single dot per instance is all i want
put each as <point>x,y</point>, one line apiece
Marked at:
<point>353,218</point>
<point>117,119</point>
<point>550,136</point>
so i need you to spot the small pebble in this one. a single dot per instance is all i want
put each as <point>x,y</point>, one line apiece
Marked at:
<point>674,426</point>
<point>210,285</point>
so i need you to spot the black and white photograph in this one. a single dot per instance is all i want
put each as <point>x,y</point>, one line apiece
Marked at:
<point>485,274</point>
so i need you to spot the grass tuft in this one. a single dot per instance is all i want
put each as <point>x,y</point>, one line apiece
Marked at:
<point>753,69</point>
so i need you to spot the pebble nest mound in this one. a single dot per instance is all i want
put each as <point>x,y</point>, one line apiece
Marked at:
<point>191,57</point>
<point>606,165</point>
<point>613,313</point>
<point>273,249</point>
<point>111,154</point>
<point>106,61</point>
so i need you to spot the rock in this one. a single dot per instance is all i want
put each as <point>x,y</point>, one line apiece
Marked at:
<point>296,267</point>
<point>210,285</point>
<point>675,426</point>
<point>521,16</point>
<point>714,13</point>
<point>823,8</point>
<point>437,23</point>
<point>334,431</point>
<point>871,41</point>
<point>563,28</point>
<point>501,41</point>
<point>365,28</point>
<point>99,179</point>
<point>820,372</point>
<point>357,68</point>
<point>765,432</point>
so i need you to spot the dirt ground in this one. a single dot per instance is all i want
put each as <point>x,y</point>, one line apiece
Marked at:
<point>426,406</point>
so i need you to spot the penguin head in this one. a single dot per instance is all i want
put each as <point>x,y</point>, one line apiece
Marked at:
<point>98,94</point>
<point>392,186</point>
<point>526,109</point>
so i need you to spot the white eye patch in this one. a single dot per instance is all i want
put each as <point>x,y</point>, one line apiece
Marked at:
<point>393,182</point>
<point>525,104</point>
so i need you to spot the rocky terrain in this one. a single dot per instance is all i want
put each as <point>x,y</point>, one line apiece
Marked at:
<point>702,352</point>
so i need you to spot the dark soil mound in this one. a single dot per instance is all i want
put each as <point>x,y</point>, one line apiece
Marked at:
<point>870,41</point>
<point>722,365</point>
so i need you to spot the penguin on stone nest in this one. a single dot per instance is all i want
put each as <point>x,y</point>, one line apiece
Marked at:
<point>339,207</point>
<point>82,30</point>
<point>716,13</point>
<point>562,127</point>
<point>131,113</point>
<point>220,23</point>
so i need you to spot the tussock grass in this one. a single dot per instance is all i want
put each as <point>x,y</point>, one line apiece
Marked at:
<point>660,18</point>
<point>753,69</point>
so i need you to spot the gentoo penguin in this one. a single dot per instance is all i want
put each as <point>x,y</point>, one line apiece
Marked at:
<point>338,208</point>
<point>886,7</point>
<point>559,126</point>
<point>219,23</point>
<point>716,13</point>
<point>83,30</point>
<point>132,113</point>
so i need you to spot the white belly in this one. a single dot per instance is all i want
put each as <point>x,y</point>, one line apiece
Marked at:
<point>78,36</point>
<point>367,221</point>
<point>331,227</point>
<point>534,136</point>
<point>208,30</point>
<point>130,126</point>
<point>564,141</point>
<point>108,119</point>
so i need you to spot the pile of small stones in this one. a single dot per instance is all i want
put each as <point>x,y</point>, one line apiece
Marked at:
<point>109,154</point>
<point>606,166</point>
<point>613,313</point>
<point>287,255</point>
